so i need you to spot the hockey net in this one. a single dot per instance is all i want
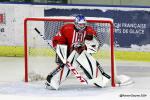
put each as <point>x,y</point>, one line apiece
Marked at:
<point>40,57</point>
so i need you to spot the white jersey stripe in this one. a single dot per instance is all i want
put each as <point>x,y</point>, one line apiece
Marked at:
<point>84,35</point>
<point>76,38</point>
<point>74,34</point>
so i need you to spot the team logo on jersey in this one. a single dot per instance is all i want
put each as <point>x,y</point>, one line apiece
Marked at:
<point>78,36</point>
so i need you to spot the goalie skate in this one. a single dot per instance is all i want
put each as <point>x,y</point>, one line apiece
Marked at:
<point>51,84</point>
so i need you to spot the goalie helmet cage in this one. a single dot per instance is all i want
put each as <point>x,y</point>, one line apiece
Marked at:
<point>35,45</point>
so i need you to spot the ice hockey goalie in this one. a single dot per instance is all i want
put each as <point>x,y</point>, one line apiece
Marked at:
<point>74,44</point>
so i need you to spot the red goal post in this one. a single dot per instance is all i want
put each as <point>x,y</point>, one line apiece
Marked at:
<point>100,22</point>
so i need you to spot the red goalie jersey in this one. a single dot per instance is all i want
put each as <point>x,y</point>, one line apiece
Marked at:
<point>70,36</point>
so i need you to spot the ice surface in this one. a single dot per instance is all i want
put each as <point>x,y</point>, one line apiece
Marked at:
<point>13,88</point>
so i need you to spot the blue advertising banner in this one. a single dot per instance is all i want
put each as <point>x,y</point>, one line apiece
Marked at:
<point>131,26</point>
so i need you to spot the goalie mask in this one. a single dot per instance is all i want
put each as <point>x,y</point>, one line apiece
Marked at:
<point>80,22</point>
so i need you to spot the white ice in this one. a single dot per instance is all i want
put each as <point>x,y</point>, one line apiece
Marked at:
<point>13,88</point>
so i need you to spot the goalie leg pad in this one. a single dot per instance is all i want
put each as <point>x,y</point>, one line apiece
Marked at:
<point>89,65</point>
<point>54,80</point>
<point>72,58</point>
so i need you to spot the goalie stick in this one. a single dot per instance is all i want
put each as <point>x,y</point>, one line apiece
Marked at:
<point>39,33</point>
<point>73,69</point>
